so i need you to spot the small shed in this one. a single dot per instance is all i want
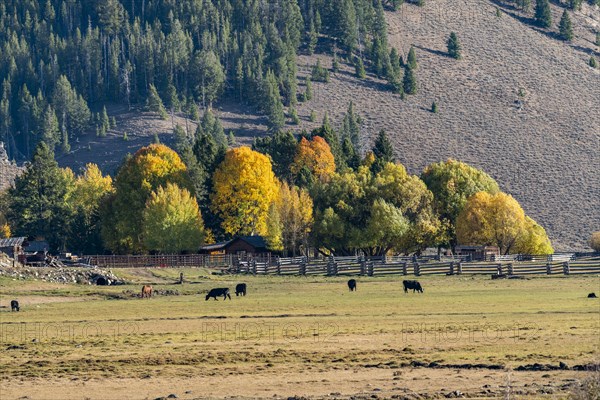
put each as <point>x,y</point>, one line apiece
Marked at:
<point>478,253</point>
<point>241,244</point>
<point>14,246</point>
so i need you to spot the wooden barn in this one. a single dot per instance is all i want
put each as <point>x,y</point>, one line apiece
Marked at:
<point>478,253</point>
<point>14,246</point>
<point>239,245</point>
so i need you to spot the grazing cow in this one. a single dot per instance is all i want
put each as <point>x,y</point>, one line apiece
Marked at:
<point>14,305</point>
<point>352,284</point>
<point>219,292</point>
<point>146,291</point>
<point>414,285</point>
<point>240,289</point>
<point>590,296</point>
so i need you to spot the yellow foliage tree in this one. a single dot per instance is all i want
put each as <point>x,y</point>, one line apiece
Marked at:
<point>295,209</point>
<point>4,231</point>
<point>244,188</point>
<point>316,156</point>
<point>149,168</point>
<point>595,241</point>
<point>172,221</point>
<point>534,239</point>
<point>498,219</point>
<point>90,188</point>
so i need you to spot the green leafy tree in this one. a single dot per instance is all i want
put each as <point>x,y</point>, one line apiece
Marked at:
<point>171,221</point>
<point>37,204</point>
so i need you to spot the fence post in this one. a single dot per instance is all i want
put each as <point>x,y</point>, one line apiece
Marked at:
<point>370,268</point>
<point>302,269</point>
<point>404,268</point>
<point>451,268</point>
<point>510,269</point>
<point>254,266</point>
<point>278,265</point>
<point>363,265</point>
<point>548,269</point>
<point>499,269</point>
<point>566,269</point>
<point>460,268</point>
<point>417,269</point>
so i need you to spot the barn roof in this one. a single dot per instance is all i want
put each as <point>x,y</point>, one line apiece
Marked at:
<point>215,246</point>
<point>254,241</point>
<point>37,245</point>
<point>11,242</point>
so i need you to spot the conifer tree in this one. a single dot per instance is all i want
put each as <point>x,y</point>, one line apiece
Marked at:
<point>454,46</point>
<point>155,104</point>
<point>383,152</point>
<point>308,92</point>
<point>274,106</point>
<point>359,68</point>
<point>543,14</point>
<point>565,27</point>
<point>50,128</point>
<point>593,63</point>
<point>412,58</point>
<point>409,81</point>
<point>104,121</point>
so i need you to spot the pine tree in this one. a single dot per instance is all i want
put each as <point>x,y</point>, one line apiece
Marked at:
<point>565,27</point>
<point>308,92</point>
<point>294,116</point>
<point>351,126</point>
<point>335,65</point>
<point>383,152</point>
<point>412,58</point>
<point>313,116</point>
<point>454,46</point>
<point>65,147</point>
<point>597,38</point>
<point>155,104</point>
<point>409,81</point>
<point>593,63</point>
<point>574,4</point>
<point>434,107</point>
<point>543,14</point>
<point>359,68</point>
<point>312,37</point>
<point>104,121</point>
<point>50,128</point>
<point>274,106</point>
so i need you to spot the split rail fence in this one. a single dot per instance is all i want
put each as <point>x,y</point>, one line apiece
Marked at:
<point>563,264</point>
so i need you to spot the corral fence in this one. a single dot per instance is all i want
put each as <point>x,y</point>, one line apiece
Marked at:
<point>556,264</point>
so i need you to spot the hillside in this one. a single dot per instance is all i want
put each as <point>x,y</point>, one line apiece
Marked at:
<point>545,152</point>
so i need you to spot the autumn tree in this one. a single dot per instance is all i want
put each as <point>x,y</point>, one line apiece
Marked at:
<point>244,188</point>
<point>171,221</point>
<point>149,168</point>
<point>498,220</point>
<point>315,155</point>
<point>295,209</point>
<point>594,241</point>
<point>534,239</point>
<point>452,183</point>
<point>90,189</point>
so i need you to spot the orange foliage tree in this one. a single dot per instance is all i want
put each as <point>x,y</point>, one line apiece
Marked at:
<point>314,155</point>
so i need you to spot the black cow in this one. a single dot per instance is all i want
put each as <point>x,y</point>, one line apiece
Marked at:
<point>14,305</point>
<point>414,285</point>
<point>240,289</point>
<point>352,284</point>
<point>219,292</point>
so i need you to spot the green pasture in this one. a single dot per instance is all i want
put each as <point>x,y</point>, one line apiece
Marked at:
<point>288,322</point>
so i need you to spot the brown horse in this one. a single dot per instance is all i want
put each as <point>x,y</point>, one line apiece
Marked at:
<point>146,291</point>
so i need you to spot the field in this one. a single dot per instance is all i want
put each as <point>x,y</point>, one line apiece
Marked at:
<point>297,336</point>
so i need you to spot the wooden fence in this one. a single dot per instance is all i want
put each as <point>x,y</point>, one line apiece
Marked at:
<point>355,266</point>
